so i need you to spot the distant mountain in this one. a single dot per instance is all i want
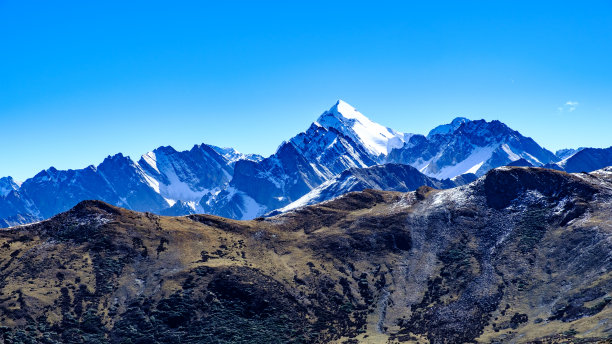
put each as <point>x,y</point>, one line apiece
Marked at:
<point>187,175</point>
<point>376,139</point>
<point>388,177</point>
<point>465,146</point>
<point>162,181</point>
<point>15,209</point>
<point>232,155</point>
<point>7,184</point>
<point>179,208</point>
<point>449,128</point>
<point>585,160</point>
<point>224,182</point>
<point>567,152</point>
<point>340,139</point>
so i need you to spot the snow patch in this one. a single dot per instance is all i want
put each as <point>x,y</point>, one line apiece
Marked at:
<point>151,160</point>
<point>470,165</point>
<point>511,155</point>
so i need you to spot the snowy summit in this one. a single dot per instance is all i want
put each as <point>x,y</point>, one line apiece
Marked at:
<point>378,140</point>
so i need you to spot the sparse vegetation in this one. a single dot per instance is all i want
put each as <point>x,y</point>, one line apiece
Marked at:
<point>365,267</point>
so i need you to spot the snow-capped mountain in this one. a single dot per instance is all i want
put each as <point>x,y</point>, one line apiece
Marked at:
<point>187,175</point>
<point>7,184</point>
<point>449,128</point>
<point>388,177</point>
<point>224,182</point>
<point>232,155</point>
<point>163,181</point>
<point>16,209</point>
<point>376,139</point>
<point>298,166</point>
<point>465,146</point>
<point>341,138</point>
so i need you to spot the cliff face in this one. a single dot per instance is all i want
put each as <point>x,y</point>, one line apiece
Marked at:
<point>522,254</point>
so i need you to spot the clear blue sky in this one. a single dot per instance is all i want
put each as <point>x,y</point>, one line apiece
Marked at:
<point>83,79</point>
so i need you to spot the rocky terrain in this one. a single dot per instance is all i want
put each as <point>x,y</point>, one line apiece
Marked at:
<point>465,146</point>
<point>388,177</point>
<point>224,182</point>
<point>520,255</point>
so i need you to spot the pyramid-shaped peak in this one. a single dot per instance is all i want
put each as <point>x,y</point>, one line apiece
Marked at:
<point>347,111</point>
<point>377,139</point>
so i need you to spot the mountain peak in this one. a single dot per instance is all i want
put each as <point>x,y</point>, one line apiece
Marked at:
<point>460,120</point>
<point>347,111</point>
<point>448,128</point>
<point>377,139</point>
<point>7,184</point>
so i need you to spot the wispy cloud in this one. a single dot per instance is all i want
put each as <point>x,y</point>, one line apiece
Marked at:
<point>569,106</point>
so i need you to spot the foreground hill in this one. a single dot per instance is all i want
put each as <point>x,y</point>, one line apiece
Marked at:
<point>520,255</point>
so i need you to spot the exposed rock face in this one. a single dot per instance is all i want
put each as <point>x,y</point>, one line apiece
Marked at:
<point>159,180</point>
<point>298,166</point>
<point>7,184</point>
<point>520,255</point>
<point>233,156</point>
<point>465,146</point>
<point>388,177</point>
<point>186,175</point>
<point>224,182</point>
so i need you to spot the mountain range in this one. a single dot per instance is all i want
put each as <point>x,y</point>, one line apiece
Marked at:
<point>222,181</point>
<point>520,255</point>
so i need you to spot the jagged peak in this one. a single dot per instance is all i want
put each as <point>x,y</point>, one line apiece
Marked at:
<point>448,128</point>
<point>8,179</point>
<point>7,185</point>
<point>116,157</point>
<point>164,149</point>
<point>377,139</point>
<point>459,120</point>
<point>204,147</point>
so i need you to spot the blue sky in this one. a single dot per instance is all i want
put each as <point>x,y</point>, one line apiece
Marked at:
<point>80,80</point>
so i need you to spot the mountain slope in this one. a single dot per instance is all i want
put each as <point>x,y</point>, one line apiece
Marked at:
<point>187,175</point>
<point>7,184</point>
<point>224,182</point>
<point>567,152</point>
<point>388,177</point>
<point>521,255</point>
<point>159,180</point>
<point>232,155</point>
<point>465,146</point>
<point>377,140</point>
<point>586,160</point>
<point>341,138</point>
